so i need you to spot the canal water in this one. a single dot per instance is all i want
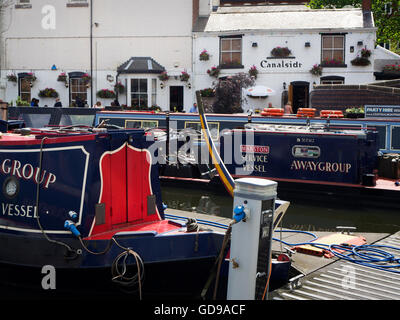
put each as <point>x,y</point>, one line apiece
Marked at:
<point>299,216</point>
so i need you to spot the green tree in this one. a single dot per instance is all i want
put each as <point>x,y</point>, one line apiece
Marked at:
<point>386,21</point>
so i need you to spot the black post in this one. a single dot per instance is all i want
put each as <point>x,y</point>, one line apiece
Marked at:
<point>91,53</point>
<point>167,145</point>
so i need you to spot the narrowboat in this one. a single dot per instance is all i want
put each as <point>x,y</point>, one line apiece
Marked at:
<point>82,215</point>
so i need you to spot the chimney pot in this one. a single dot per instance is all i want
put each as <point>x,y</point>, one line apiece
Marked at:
<point>366,5</point>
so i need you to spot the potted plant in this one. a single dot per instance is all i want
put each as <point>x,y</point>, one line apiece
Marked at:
<point>316,70</point>
<point>163,76</point>
<point>12,77</point>
<point>214,72</point>
<point>355,112</point>
<point>391,68</point>
<point>106,94</point>
<point>207,92</point>
<point>184,76</point>
<point>280,52</point>
<point>204,55</point>
<point>48,93</point>
<point>253,71</point>
<point>119,87</point>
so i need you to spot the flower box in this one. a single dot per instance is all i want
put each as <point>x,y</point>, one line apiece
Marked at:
<point>48,93</point>
<point>360,61</point>
<point>106,94</point>
<point>62,77</point>
<point>281,52</point>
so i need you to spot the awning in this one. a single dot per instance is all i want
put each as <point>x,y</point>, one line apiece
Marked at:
<point>260,91</point>
<point>140,65</point>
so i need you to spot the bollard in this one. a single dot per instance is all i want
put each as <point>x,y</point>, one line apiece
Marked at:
<point>250,253</point>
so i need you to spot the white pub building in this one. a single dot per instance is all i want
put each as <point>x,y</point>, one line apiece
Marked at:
<point>83,48</point>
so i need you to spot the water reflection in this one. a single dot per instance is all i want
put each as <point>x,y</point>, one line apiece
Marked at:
<point>299,216</point>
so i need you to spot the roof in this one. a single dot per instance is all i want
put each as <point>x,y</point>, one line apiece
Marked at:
<point>140,65</point>
<point>286,17</point>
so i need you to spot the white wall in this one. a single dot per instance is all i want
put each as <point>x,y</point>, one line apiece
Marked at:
<point>305,58</point>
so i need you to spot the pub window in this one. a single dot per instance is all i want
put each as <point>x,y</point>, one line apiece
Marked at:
<point>139,93</point>
<point>332,80</point>
<point>78,89</point>
<point>153,92</point>
<point>332,49</point>
<point>231,52</point>
<point>24,89</point>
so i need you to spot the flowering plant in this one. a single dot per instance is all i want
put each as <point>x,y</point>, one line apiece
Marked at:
<point>106,94</point>
<point>316,70</point>
<point>391,68</point>
<point>48,93</point>
<point>365,53</point>
<point>12,77</point>
<point>184,76</point>
<point>213,72</point>
<point>280,51</point>
<point>119,87</point>
<point>207,92</point>
<point>86,78</point>
<point>360,61</point>
<point>62,77</point>
<point>30,77</point>
<point>163,76</point>
<point>332,62</point>
<point>204,55</point>
<point>253,71</point>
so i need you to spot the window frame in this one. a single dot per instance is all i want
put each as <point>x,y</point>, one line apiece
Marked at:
<point>343,50</point>
<point>71,87</point>
<point>140,93</point>
<point>20,92</point>
<point>231,65</point>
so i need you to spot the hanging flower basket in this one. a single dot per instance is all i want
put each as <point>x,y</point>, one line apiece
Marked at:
<point>253,71</point>
<point>184,76</point>
<point>365,53</point>
<point>204,55</point>
<point>106,94</point>
<point>360,61</point>
<point>48,93</point>
<point>280,52</point>
<point>30,77</point>
<point>62,77</point>
<point>86,78</point>
<point>12,77</point>
<point>316,70</point>
<point>163,76</point>
<point>119,87</point>
<point>214,72</point>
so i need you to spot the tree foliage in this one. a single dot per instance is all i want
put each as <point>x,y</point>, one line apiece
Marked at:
<point>386,21</point>
<point>228,93</point>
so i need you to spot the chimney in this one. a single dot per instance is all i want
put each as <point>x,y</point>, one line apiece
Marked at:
<point>366,5</point>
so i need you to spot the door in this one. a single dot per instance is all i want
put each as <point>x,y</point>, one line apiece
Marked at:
<point>300,95</point>
<point>176,98</point>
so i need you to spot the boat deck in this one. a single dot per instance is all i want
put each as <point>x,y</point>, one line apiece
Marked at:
<point>319,277</point>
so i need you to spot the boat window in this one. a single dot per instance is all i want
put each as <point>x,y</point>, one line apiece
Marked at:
<point>70,119</point>
<point>381,136</point>
<point>213,127</point>
<point>146,124</point>
<point>395,138</point>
